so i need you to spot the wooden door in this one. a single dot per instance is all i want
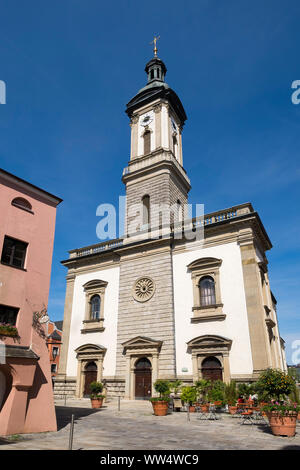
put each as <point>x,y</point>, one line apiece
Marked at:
<point>212,369</point>
<point>143,379</point>
<point>90,376</point>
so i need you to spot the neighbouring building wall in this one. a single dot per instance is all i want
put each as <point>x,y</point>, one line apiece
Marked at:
<point>235,325</point>
<point>107,338</point>
<point>27,215</point>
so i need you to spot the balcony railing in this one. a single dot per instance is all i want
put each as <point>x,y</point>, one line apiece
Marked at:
<point>206,220</point>
<point>94,249</point>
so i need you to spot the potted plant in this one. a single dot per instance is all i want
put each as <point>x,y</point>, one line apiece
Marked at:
<point>216,393</point>
<point>175,387</point>
<point>161,404</point>
<point>230,393</point>
<point>202,387</point>
<point>282,418</point>
<point>294,396</point>
<point>96,396</point>
<point>8,330</point>
<point>189,396</point>
<point>281,414</point>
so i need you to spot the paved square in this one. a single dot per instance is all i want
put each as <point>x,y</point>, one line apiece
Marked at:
<point>135,427</point>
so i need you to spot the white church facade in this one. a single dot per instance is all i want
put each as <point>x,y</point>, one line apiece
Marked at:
<point>140,308</point>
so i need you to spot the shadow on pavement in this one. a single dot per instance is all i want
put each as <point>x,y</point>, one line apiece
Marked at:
<point>291,447</point>
<point>64,414</point>
<point>3,441</point>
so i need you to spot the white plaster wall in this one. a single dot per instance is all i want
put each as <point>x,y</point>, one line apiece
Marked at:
<point>107,338</point>
<point>164,127</point>
<point>234,327</point>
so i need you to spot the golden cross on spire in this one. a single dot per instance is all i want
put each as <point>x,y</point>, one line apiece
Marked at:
<point>156,38</point>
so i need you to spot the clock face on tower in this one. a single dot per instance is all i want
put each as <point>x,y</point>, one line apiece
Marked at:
<point>146,120</point>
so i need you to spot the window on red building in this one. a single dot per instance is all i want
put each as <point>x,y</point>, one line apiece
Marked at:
<point>14,252</point>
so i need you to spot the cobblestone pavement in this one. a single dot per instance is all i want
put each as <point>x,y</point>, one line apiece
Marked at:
<point>135,427</point>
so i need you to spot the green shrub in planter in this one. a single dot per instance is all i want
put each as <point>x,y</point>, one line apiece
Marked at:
<point>230,393</point>
<point>217,391</point>
<point>246,389</point>
<point>175,387</point>
<point>202,386</point>
<point>96,389</point>
<point>276,383</point>
<point>189,394</point>
<point>163,388</point>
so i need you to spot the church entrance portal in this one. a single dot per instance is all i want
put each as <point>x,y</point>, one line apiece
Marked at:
<point>212,369</point>
<point>90,376</point>
<point>143,379</point>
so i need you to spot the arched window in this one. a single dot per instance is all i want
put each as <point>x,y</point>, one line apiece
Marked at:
<point>95,307</point>
<point>21,203</point>
<point>146,209</point>
<point>207,291</point>
<point>147,142</point>
<point>143,363</point>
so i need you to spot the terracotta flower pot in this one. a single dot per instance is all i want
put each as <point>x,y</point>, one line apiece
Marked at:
<point>192,408</point>
<point>217,403</point>
<point>205,408</point>
<point>283,425</point>
<point>232,409</point>
<point>160,408</point>
<point>96,402</point>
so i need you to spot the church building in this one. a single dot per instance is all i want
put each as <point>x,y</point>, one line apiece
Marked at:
<point>141,308</point>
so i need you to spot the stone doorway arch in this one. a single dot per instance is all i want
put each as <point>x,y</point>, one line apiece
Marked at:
<point>88,354</point>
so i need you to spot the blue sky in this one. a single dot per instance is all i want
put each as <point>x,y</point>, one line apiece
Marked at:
<point>70,67</point>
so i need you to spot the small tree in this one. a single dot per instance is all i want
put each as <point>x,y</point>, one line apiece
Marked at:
<point>276,383</point>
<point>176,386</point>
<point>244,390</point>
<point>163,388</point>
<point>217,391</point>
<point>96,389</point>
<point>202,387</point>
<point>189,394</point>
<point>230,393</point>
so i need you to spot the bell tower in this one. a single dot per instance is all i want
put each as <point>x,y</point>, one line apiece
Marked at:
<point>155,175</point>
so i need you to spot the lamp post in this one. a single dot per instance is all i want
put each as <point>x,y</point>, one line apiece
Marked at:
<point>54,356</point>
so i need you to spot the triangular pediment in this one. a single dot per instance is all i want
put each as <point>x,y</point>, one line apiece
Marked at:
<point>141,342</point>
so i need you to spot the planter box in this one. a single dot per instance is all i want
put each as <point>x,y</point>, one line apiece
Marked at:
<point>160,408</point>
<point>4,332</point>
<point>282,425</point>
<point>96,402</point>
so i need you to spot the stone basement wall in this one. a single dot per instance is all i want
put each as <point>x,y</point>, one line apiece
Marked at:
<point>64,388</point>
<point>114,388</point>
